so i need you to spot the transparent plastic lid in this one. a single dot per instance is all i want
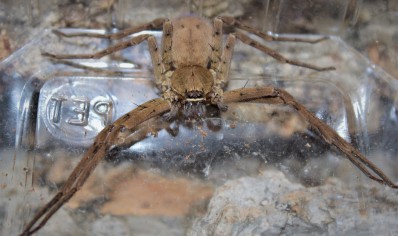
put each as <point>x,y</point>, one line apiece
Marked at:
<point>253,169</point>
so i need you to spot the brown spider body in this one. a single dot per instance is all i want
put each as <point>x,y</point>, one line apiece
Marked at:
<point>191,70</point>
<point>191,78</point>
<point>193,64</point>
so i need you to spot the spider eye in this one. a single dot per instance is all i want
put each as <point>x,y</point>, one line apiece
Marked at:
<point>194,94</point>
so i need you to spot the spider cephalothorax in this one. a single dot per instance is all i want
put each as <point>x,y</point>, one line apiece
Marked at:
<point>192,83</point>
<point>191,88</point>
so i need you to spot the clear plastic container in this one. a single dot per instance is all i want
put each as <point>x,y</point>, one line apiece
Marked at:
<point>253,169</point>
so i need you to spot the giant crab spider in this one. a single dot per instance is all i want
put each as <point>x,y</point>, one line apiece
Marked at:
<point>191,69</point>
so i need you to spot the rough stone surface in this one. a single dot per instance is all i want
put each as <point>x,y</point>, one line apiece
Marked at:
<point>271,205</point>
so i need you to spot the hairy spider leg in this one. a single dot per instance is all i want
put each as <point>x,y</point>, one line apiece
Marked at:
<point>222,73</point>
<point>153,25</point>
<point>167,40</point>
<point>98,151</point>
<point>222,76</point>
<point>216,47</point>
<point>268,37</point>
<point>253,43</point>
<point>111,49</point>
<point>325,132</point>
<point>158,59</point>
<point>157,63</point>
<point>220,61</point>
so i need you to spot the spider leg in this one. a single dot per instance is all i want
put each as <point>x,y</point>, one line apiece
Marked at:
<point>101,146</point>
<point>220,60</point>
<point>268,37</point>
<point>216,45</point>
<point>117,47</point>
<point>87,67</point>
<point>222,71</point>
<point>164,58</point>
<point>167,38</point>
<point>253,43</point>
<point>58,203</point>
<point>153,25</point>
<point>157,63</point>
<point>158,66</point>
<point>167,46</point>
<point>279,96</point>
<point>226,58</point>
